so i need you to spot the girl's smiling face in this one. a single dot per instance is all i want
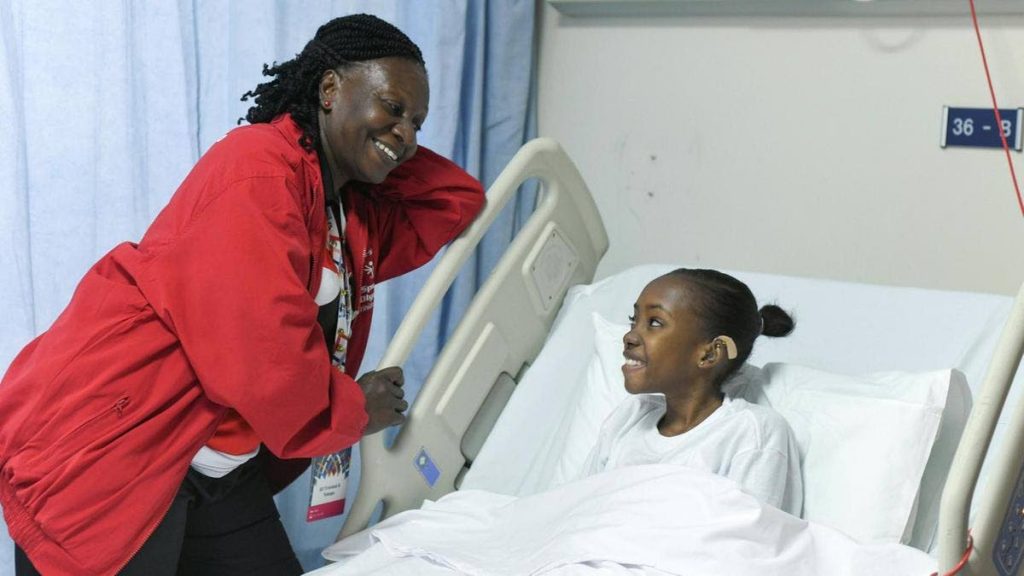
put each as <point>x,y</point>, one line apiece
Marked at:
<point>665,343</point>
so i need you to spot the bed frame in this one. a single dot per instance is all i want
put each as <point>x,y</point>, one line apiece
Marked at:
<point>559,246</point>
<point>998,532</point>
<point>464,393</point>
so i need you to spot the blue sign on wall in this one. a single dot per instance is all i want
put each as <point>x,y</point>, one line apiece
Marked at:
<point>978,127</point>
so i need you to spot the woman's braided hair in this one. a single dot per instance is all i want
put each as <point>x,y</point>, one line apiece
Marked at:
<point>337,44</point>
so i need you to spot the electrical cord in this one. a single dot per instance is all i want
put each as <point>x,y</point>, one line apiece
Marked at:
<point>1020,203</point>
<point>963,559</point>
<point>995,107</point>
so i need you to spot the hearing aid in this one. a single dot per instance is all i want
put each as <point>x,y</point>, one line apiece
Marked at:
<point>730,346</point>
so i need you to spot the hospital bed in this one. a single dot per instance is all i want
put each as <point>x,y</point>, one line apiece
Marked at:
<point>525,379</point>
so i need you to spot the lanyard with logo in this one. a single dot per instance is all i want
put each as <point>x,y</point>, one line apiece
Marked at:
<point>329,473</point>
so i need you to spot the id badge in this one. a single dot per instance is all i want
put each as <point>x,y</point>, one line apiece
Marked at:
<point>329,483</point>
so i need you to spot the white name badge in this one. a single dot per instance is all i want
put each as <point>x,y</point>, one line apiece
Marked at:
<point>329,483</point>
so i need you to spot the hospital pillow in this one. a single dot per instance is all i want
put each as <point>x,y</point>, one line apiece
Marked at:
<point>864,440</point>
<point>603,389</point>
<point>864,443</point>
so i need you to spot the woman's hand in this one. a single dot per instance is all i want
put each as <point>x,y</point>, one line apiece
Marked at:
<point>385,402</point>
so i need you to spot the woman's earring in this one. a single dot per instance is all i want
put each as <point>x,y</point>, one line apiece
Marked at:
<point>327,104</point>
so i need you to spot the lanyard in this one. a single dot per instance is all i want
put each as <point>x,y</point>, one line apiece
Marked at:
<point>329,478</point>
<point>335,238</point>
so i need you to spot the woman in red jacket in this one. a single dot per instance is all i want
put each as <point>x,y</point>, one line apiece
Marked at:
<point>129,430</point>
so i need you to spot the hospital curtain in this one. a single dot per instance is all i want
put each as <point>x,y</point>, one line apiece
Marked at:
<point>109,104</point>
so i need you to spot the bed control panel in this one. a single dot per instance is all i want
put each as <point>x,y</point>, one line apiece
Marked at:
<point>1009,548</point>
<point>551,266</point>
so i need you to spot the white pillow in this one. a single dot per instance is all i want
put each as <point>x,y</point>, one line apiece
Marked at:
<point>603,390</point>
<point>864,442</point>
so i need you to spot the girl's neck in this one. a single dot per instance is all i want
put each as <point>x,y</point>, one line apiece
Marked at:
<point>683,414</point>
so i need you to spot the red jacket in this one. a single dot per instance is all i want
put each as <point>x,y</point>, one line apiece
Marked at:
<point>101,415</point>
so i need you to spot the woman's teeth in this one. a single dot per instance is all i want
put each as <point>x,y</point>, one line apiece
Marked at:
<point>383,148</point>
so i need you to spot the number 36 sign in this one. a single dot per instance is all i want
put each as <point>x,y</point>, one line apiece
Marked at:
<point>978,127</point>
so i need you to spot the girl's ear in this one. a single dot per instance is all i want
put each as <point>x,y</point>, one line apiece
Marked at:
<point>716,351</point>
<point>710,355</point>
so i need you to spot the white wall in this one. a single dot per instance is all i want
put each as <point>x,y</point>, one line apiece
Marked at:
<point>799,146</point>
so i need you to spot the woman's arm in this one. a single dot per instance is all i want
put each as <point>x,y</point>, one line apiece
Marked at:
<point>424,204</point>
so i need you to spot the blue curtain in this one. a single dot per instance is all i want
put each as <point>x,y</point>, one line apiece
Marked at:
<point>109,104</point>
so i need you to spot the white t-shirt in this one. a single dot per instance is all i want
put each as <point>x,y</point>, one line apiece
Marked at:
<point>750,444</point>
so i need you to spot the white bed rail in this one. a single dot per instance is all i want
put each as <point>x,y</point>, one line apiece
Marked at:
<point>558,246</point>
<point>997,534</point>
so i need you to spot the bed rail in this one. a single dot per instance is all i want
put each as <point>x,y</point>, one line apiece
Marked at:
<point>999,521</point>
<point>559,246</point>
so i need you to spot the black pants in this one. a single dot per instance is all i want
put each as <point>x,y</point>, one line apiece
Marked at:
<point>216,527</point>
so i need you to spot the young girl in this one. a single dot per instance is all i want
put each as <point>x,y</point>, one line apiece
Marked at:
<point>690,331</point>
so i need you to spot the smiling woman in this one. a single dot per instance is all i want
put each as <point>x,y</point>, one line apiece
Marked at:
<point>197,371</point>
<point>690,331</point>
<point>370,116</point>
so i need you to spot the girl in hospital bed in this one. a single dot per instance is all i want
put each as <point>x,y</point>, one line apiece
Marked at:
<point>690,331</point>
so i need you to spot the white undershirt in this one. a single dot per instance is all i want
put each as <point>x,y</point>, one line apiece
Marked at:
<point>750,444</point>
<point>217,464</point>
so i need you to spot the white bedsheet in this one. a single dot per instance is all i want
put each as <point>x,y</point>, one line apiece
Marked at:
<point>652,520</point>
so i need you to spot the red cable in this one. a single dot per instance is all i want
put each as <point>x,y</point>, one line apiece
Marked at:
<point>1013,175</point>
<point>1020,202</point>
<point>967,553</point>
<point>995,107</point>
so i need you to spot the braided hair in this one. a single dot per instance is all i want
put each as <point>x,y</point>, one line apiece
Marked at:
<point>728,307</point>
<point>337,44</point>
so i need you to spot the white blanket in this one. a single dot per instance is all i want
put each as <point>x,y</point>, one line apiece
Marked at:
<point>656,519</point>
